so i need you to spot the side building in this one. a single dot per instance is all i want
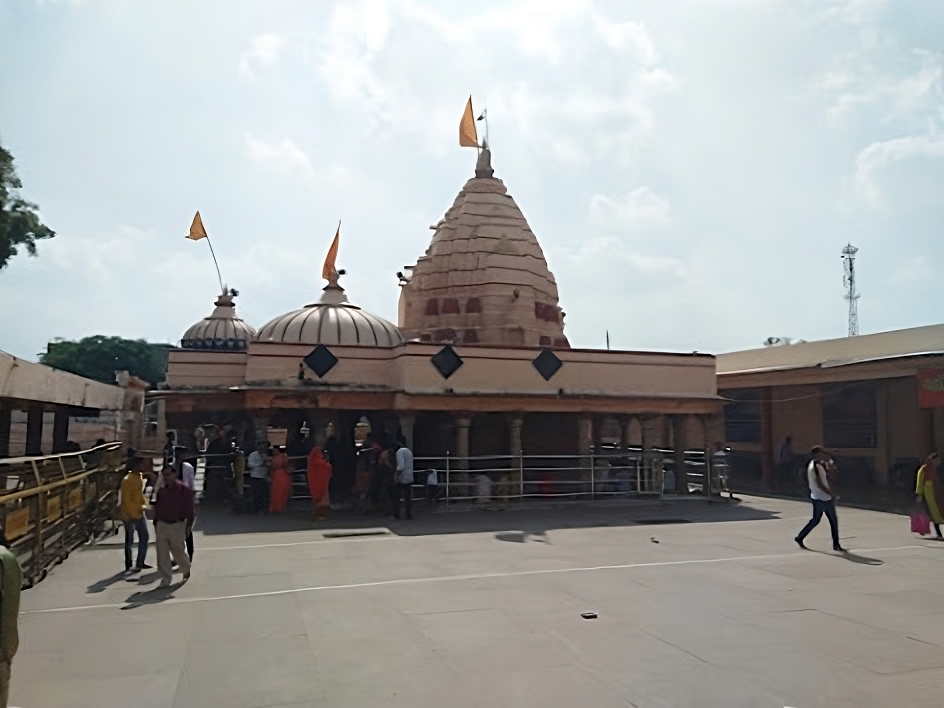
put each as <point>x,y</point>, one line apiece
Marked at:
<point>876,401</point>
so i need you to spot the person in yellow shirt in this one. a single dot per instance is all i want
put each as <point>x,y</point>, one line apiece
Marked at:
<point>930,491</point>
<point>133,504</point>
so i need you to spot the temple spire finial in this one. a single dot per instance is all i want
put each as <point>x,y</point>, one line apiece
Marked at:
<point>483,165</point>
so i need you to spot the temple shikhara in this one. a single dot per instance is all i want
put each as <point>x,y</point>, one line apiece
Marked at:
<point>478,366</point>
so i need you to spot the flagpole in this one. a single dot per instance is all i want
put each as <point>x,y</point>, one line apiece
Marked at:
<point>218,275</point>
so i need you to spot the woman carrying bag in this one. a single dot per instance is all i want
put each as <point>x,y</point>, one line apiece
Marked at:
<point>929,491</point>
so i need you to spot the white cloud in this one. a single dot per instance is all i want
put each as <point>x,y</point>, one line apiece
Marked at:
<point>563,76</point>
<point>280,155</point>
<point>638,210</point>
<point>263,53</point>
<point>875,159</point>
<point>862,85</point>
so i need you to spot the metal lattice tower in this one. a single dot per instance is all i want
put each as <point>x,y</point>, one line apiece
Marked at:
<point>848,280</point>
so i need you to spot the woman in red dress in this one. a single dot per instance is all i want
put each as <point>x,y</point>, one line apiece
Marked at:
<point>281,482</point>
<point>319,474</point>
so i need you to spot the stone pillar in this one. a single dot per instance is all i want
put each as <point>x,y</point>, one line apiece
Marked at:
<point>679,440</point>
<point>34,430</point>
<point>649,474</point>
<point>625,426</point>
<point>515,482</point>
<point>261,431</point>
<point>584,446</point>
<point>461,476</point>
<point>766,441</point>
<point>881,425</point>
<point>60,430</point>
<point>5,421</point>
<point>407,422</point>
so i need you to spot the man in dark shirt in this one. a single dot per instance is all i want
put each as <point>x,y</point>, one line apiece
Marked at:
<point>173,519</point>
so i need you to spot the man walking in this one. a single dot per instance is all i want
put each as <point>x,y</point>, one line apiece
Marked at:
<point>173,519</point>
<point>822,496</point>
<point>403,479</point>
<point>133,504</point>
<point>187,477</point>
<point>11,580</point>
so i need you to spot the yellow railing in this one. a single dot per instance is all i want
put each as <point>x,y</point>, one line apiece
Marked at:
<point>51,504</point>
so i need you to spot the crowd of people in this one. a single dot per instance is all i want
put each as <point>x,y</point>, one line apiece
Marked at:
<point>259,482</point>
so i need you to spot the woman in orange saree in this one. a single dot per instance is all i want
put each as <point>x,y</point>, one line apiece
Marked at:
<point>281,482</point>
<point>319,474</point>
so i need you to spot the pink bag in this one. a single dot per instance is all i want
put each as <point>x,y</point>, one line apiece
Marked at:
<point>920,523</point>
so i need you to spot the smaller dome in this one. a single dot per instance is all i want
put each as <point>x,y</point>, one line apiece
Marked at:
<point>221,331</point>
<point>331,321</point>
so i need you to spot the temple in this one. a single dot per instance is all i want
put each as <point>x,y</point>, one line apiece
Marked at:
<point>478,366</point>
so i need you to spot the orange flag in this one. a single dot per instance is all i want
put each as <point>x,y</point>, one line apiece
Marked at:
<point>196,229</point>
<point>329,264</point>
<point>468,136</point>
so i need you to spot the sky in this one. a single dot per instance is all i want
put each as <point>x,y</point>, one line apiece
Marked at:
<point>692,169</point>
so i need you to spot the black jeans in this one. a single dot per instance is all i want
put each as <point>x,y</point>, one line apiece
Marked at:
<point>260,488</point>
<point>820,508</point>
<point>403,494</point>
<point>139,525</point>
<point>189,542</point>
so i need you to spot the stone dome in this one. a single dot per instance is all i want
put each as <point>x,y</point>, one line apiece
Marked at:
<point>221,331</point>
<point>484,278</point>
<point>331,321</point>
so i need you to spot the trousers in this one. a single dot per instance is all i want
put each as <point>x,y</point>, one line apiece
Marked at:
<point>171,540</point>
<point>260,488</point>
<point>139,526</point>
<point>820,508</point>
<point>403,495</point>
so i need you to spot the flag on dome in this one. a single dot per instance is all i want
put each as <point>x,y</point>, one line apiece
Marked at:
<point>196,228</point>
<point>468,136</point>
<point>329,264</point>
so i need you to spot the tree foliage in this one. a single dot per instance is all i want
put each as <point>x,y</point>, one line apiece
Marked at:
<point>19,222</point>
<point>99,357</point>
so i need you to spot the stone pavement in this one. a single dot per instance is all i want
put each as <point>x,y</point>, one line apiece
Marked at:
<point>484,609</point>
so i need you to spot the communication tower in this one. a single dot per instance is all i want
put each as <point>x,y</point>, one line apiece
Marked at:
<point>848,280</point>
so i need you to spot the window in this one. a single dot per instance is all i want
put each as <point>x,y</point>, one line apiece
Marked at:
<point>742,415</point>
<point>450,306</point>
<point>849,415</point>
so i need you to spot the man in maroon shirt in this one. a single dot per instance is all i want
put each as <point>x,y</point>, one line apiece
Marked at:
<point>173,519</point>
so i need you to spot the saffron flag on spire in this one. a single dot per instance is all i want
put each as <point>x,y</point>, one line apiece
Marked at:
<point>196,228</point>
<point>329,264</point>
<point>468,136</point>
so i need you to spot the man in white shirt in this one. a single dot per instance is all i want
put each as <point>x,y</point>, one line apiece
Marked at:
<point>822,496</point>
<point>258,464</point>
<point>403,479</point>
<point>187,477</point>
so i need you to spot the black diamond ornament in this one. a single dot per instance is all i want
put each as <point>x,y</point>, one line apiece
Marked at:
<point>547,364</point>
<point>321,360</point>
<point>446,361</point>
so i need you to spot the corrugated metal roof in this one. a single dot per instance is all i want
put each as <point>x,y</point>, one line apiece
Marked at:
<point>836,352</point>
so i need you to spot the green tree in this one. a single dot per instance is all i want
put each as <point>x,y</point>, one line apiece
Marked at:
<point>99,357</point>
<point>19,222</point>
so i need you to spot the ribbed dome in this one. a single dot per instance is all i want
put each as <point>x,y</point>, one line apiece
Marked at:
<point>221,331</point>
<point>331,321</point>
<point>484,278</point>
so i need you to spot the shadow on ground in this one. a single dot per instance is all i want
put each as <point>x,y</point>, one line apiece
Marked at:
<point>513,524</point>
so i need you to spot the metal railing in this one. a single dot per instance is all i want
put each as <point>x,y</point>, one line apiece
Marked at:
<point>602,474</point>
<point>50,505</point>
